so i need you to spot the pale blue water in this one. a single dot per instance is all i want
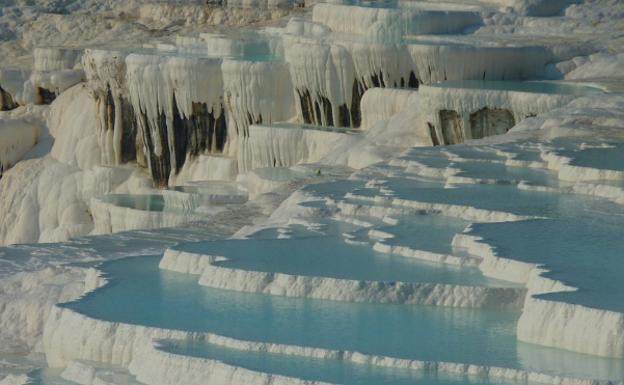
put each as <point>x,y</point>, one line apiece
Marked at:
<point>334,190</point>
<point>472,152</point>
<point>338,371</point>
<point>212,188</point>
<point>499,197</point>
<point>603,158</point>
<point>525,151</point>
<point>153,202</point>
<point>330,256</point>
<point>529,86</point>
<point>368,3</point>
<point>94,249</point>
<point>432,233</point>
<point>140,293</point>
<point>327,370</point>
<point>47,377</point>
<point>202,194</point>
<point>484,163</point>
<point>440,161</point>
<point>255,47</point>
<point>304,126</point>
<point>585,251</point>
<point>53,376</point>
<point>500,172</point>
<point>580,243</point>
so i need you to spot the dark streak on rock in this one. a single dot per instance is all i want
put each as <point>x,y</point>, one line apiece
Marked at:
<point>433,134</point>
<point>44,96</point>
<point>356,96</point>
<point>6,103</point>
<point>129,132</point>
<point>305,101</point>
<point>327,110</point>
<point>159,165</point>
<point>344,119</point>
<point>198,133</point>
<point>413,81</point>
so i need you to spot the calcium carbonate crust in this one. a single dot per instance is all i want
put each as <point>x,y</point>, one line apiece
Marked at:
<point>70,336</point>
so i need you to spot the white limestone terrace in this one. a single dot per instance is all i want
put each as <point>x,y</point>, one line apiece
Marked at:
<point>37,276</point>
<point>139,93</point>
<point>322,96</point>
<point>54,70</point>
<point>271,99</point>
<point>526,8</point>
<point>162,14</point>
<point>225,266</point>
<point>149,116</point>
<point>136,342</point>
<point>29,29</point>
<point>562,333</point>
<point>419,18</point>
<point>464,110</point>
<point>288,144</point>
<point>493,264</point>
<point>314,51</point>
<point>17,138</point>
<point>139,353</point>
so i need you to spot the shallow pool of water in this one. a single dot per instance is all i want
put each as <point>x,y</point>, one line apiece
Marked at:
<point>585,252</point>
<point>605,158</point>
<point>503,173</point>
<point>140,293</point>
<point>498,197</point>
<point>330,256</point>
<point>517,86</point>
<point>314,369</point>
<point>432,233</point>
<point>304,126</point>
<point>152,202</point>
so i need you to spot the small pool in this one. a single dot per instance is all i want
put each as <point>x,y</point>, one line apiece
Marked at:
<point>210,187</point>
<point>240,44</point>
<point>345,372</point>
<point>527,152</point>
<point>366,3</point>
<point>604,156</point>
<point>330,256</point>
<point>518,86</point>
<point>140,293</point>
<point>316,369</point>
<point>432,233</point>
<point>193,195</point>
<point>495,197</point>
<point>580,239</point>
<point>304,126</point>
<point>585,251</point>
<point>501,172</point>
<point>144,202</point>
<point>480,153</point>
<point>54,376</point>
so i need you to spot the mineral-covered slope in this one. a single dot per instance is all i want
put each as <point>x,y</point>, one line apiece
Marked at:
<point>413,192</point>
